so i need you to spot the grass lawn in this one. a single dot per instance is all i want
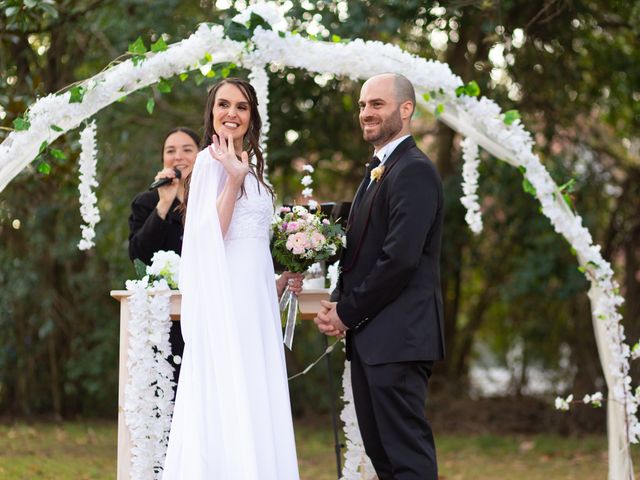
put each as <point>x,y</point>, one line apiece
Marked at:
<point>87,451</point>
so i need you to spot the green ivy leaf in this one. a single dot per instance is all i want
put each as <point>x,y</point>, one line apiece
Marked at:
<point>141,268</point>
<point>426,97</point>
<point>199,78</point>
<point>282,34</point>
<point>528,187</point>
<point>183,76</point>
<point>511,116</point>
<point>236,31</point>
<point>43,147</point>
<point>159,46</point>
<point>138,59</point>
<point>471,89</point>
<point>59,154</point>
<point>225,72</point>
<point>336,38</point>
<point>56,128</point>
<point>44,168</point>
<point>206,59</point>
<point>256,21</point>
<point>439,110</point>
<point>21,124</point>
<point>164,85</point>
<point>151,104</point>
<point>77,94</point>
<point>138,47</point>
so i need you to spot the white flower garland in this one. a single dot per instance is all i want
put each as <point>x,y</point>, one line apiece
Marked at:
<point>307,190</point>
<point>88,201</point>
<point>149,393</point>
<point>357,465</point>
<point>479,119</point>
<point>470,176</point>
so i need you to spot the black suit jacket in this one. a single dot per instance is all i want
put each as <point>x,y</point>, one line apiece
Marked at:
<point>389,289</point>
<point>149,233</point>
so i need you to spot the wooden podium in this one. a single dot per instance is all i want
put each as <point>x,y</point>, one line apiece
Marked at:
<point>309,303</point>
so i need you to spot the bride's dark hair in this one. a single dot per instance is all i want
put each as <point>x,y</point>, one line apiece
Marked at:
<point>251,140</point>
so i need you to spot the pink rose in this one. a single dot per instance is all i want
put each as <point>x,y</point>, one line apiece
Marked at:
<point>292,227</point>
<point>317,240</point>
<point>297,243</point>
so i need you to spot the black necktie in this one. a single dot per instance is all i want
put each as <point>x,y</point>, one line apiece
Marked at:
<point>374,163</point>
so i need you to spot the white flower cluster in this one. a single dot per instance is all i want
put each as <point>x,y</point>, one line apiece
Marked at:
<point>260,81</point>
<point>357,464</point>
<point>165,264</point>
<point>470,176</point>
<point>564,404</point>
<point>269,12</point>
<point>88,201</point>
<point>307,191</point>
<point>148,401</point>
<point>594,399</point>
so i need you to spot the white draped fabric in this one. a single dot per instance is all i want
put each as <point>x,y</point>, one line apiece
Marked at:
<point>232,417</point>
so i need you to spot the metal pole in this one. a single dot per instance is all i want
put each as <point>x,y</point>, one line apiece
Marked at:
<point>334,416</point>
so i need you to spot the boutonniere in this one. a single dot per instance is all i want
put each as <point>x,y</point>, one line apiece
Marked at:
<point>376,173</point>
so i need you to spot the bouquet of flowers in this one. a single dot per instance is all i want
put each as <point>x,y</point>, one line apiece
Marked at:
<point>164,265</point>
<point>300,239</point>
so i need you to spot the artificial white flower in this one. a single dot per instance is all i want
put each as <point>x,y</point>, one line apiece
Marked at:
<point>88,201</point>
<point>564,404</point>
<point>594,399</point>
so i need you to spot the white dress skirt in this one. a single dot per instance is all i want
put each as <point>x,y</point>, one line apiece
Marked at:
<point>232,417</point>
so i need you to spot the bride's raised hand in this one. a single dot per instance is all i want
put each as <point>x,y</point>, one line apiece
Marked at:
<point>224,151</point>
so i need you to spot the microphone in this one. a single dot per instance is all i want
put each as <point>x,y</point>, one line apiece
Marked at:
<point>165,180</point>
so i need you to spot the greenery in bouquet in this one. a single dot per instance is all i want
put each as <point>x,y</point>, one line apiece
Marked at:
<point>302,238</point>
<point>165,265</point>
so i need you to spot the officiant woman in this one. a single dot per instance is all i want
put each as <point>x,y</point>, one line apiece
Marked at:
<point>156,220</point>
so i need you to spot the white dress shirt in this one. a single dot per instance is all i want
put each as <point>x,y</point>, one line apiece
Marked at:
<point>386,151</point>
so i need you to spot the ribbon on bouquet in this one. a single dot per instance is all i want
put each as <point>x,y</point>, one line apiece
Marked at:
<point>289,302</point>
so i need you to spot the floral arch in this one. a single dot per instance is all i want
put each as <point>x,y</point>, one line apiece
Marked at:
<point>254,42</point>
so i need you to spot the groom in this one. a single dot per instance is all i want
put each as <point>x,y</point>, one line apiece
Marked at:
<point>388,300</point>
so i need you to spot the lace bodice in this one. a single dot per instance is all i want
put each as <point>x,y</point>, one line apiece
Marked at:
<point>253,212</point>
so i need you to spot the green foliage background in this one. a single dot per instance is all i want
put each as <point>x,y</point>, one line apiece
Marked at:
<point>568,67</point>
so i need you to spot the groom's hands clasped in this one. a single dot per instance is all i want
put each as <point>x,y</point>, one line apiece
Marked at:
<point>328,320</point>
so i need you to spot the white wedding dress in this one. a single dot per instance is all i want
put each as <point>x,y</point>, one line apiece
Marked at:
<point>232,417</point>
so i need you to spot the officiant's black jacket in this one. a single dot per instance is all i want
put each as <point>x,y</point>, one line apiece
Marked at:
<point>148,233</point>
<point>389,289</point>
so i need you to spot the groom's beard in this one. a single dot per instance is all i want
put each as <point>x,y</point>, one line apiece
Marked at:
<point>388,128</point>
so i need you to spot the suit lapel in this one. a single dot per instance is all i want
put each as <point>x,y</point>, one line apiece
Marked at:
<point>370,194</point>
<point>359,218</point>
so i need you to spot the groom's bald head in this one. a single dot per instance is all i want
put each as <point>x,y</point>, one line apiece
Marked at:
<point>402,88</point>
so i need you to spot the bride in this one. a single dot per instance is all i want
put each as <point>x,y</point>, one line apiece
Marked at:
<point>232,417</point>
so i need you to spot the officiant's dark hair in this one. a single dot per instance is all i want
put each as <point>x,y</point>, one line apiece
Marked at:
<point>194,136</point>
<point>251,141</point>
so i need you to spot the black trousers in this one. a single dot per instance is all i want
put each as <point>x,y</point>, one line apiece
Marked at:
<point>177,348</point>
<point>389,401</point>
